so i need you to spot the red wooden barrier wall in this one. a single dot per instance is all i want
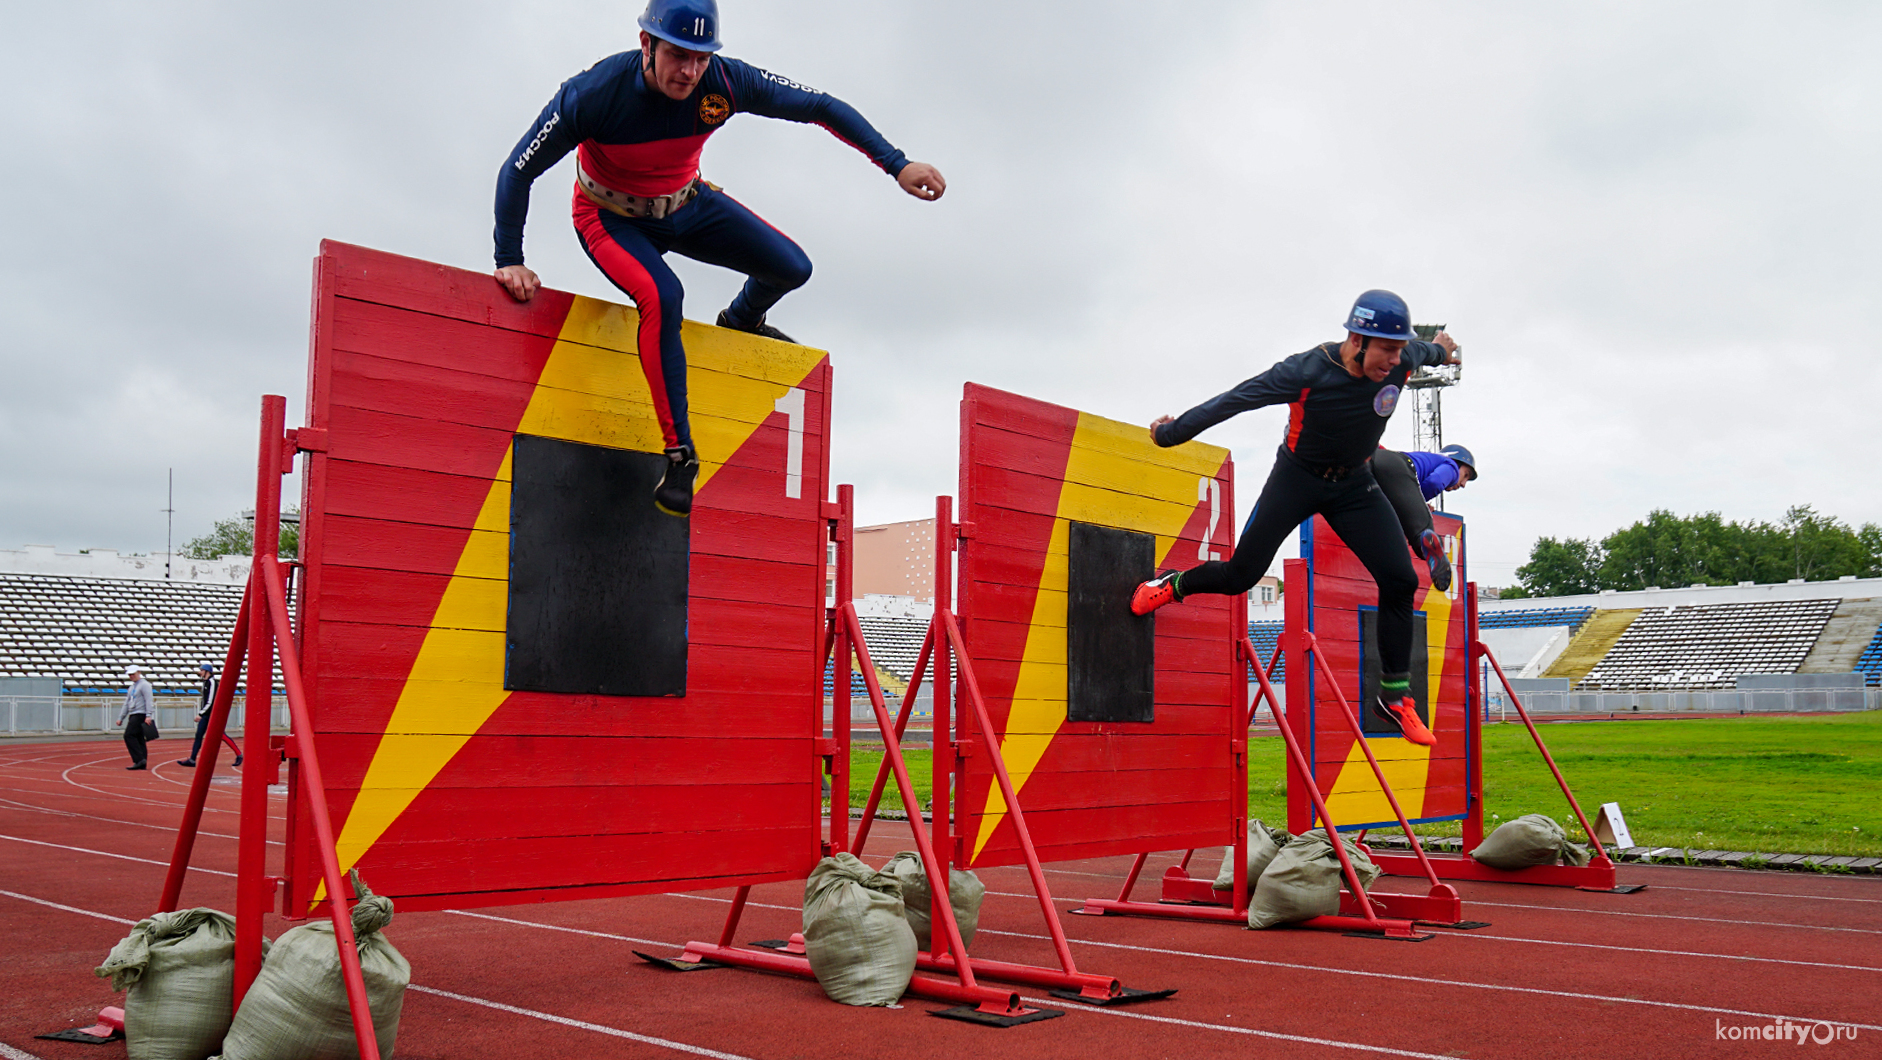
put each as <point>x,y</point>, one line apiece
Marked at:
<point>449,790</point>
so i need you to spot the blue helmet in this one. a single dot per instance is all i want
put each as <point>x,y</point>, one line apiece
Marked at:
<point>1381,315</point>
<point>691,24</point>
<point>1461,455</point>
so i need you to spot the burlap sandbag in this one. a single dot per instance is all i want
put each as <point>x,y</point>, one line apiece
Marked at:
<point>179,971</point>
<point>860,946</point>
<point>297,1008</point>
<point>965,892</point>
<point>1262,846</point>
<point>1530,840</point>
<point>1303,881</point>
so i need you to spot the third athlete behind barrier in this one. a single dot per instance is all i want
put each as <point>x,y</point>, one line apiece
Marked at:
<point>1339,397</point>
<point>1411,479</point>
<point>638,122</point>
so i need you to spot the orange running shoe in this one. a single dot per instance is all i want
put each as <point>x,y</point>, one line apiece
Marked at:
<point>1154,594</point>
<point>1402,713</point>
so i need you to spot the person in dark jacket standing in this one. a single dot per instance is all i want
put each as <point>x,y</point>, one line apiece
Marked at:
<point>139,704</point>
<point>1411,479</point>
<point>1339,398</point>
<point>210,683</point>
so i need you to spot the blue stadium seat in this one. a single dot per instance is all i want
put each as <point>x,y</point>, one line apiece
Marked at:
<point>1572,617</point>
<point>1869,663</point>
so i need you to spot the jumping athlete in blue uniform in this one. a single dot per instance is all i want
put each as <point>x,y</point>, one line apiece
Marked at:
<point>1339,397</point>
<point>637,122</point>
<point>1411,479</point>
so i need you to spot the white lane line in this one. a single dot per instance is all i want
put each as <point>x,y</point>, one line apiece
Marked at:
<point>1767,894</point>
<point>1232,1029</point>
<point>67,908</point>
<point>1438,982</point>
<point>615,1032</point>
<point>107,854</point>
<point>121,796</point>
<point>1671,953</point>
<point>114,820</point>
<point>548,1017</point>
<point>728,901</point>
<point>1673,916</point>
<point>570,930</point>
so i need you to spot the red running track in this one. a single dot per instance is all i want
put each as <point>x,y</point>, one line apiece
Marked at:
<point>1559,974</point>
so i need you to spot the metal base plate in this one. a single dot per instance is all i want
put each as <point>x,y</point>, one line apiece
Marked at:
<point>75,1035</point>
<point>1386,938</point>
<point>1461,925</point>
<point>970,1014</point>
<point>677,965</point>
<point>1125,997</point>
<point>1619,888</point>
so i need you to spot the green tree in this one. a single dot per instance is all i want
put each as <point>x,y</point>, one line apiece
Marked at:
<point>1561,568</point>
<point>1665,550</point>
<point>235,536</point>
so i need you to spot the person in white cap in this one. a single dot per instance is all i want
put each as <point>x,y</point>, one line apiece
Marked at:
<point>140,710</point>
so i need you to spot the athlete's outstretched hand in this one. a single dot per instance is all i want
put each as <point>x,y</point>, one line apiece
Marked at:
<point>1451,348</point>
<point>922,180</point>
<point>1158,422</point>
<point>519,281</point>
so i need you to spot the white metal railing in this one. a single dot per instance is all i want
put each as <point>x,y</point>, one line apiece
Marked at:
<point>56,715</point>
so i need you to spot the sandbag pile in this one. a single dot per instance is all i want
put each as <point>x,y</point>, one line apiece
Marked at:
<point>1304,879</point>
<point>965,892</point>
<point>1262,846</point>
<point>297,1008</point>
<point>860,945</point>
<point>1530,840</point>
<point>179,971</point>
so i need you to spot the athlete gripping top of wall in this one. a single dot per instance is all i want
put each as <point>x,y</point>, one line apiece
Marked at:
<point>1411,479</point>
<point>637,122</point>
<point>1339,397</point>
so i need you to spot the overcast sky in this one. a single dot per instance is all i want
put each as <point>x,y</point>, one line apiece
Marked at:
<point>1652,226</point>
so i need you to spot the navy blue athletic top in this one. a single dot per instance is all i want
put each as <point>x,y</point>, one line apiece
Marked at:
<point>632,137</point>
<point>1335,419</point>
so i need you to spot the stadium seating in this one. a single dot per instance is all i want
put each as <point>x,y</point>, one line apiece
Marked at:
<point>1264,636</point>
<point>1869,663</point>
<point>1710,645</point>
<point>1572,617</point>
<point>84,631</point>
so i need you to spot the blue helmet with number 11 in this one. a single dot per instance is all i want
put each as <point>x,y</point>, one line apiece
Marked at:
<point>1380,315</point>
<point>690,24</point>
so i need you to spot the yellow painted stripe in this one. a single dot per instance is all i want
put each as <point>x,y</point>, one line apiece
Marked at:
<point>1114,476</point>
<point>591,390</point>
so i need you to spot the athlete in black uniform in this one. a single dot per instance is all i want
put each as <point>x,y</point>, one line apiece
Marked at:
<point>1339,397</point>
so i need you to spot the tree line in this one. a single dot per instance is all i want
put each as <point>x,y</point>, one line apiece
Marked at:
<point>1671,551</point>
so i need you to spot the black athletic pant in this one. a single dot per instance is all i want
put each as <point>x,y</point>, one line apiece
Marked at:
<point>1357,510</point>
<point>1399,480</point>
<point>134,739</point>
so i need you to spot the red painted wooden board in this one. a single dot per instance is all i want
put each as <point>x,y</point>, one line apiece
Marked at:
<point>446,789</point>
<point>1028,470</point>
<point>1431,784</point>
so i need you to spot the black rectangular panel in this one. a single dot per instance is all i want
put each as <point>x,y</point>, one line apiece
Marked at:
<point>1110,654</point>
<point>1369,671</point>
<point>598,575</point>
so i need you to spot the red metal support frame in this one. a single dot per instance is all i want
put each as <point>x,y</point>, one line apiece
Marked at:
<point>262,630</point>
<point>1597,875</point>
<point>206,763</point>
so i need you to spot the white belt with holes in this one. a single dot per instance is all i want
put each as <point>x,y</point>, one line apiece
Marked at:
<point>656,206</point>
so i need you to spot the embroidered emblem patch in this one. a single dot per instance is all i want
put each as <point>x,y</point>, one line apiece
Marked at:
<point>1385,401</point>
<point>714,109</point>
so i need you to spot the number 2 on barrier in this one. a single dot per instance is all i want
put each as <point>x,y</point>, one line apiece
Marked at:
<point>1208,489</point>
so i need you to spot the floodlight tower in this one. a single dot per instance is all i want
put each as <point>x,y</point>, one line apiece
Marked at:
<point>1427,393</point>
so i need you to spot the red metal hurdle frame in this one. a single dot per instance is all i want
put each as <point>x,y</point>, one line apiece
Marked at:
<point>1597,875</point>
<point>263,631</point>
<point>843,642</point>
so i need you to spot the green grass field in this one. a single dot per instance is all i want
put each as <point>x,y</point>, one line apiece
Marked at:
<point>1810,785</point>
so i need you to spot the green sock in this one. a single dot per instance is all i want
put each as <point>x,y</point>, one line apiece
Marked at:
<point>1394,688</point>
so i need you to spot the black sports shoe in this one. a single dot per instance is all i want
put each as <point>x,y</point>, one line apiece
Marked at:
<point>760,328</point>
<point>674,494</point>
<point>186,762</point>
<point>237,762</point>
<point>1434,558</point>
<point>140,766</point>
